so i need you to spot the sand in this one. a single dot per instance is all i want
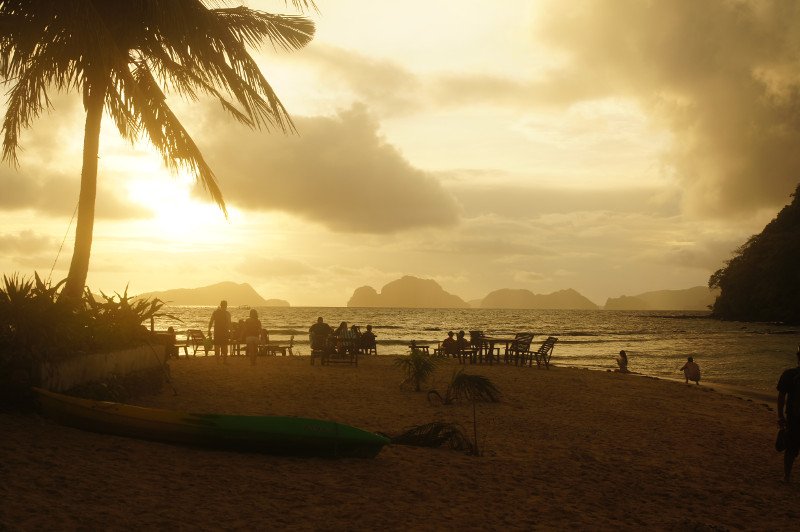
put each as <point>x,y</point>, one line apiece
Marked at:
<point>566,448</point>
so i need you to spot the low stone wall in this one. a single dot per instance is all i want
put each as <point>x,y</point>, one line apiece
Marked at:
<point>100,367</point>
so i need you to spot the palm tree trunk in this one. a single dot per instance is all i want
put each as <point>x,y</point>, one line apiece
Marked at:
<point>84,228</point>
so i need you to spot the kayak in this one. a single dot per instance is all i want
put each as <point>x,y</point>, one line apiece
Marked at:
<point>285,435</point>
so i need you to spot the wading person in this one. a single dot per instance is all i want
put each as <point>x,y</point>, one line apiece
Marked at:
<point>789,415</point>
<point>221,322</point>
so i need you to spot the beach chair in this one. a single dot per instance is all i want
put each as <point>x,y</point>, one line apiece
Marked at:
<point>518,349</point>
<point>196,340</point>
<point>340,350</point>
<point>543,354</point>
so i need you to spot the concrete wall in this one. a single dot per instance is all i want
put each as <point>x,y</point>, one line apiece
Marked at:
<point>98,367</point>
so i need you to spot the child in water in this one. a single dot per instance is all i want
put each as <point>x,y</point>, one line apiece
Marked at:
<point>691,371</point>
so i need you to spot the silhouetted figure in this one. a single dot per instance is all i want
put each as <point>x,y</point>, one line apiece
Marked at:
<point>465,346</point>
<point>368,340</point>
<point>622,362</point>
<point>789,415</point>
<point>221,321</point>
<point>172,349</point>
<point>251,332</point>
<point>318,334</point>
<point>449,345</point>
<point>691,371</point>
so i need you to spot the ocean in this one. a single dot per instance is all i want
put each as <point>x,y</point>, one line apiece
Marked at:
<point>750,355</point>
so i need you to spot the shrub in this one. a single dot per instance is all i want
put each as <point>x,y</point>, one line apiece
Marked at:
<point>36,326</point>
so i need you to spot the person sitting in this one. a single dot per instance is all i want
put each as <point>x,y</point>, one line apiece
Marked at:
<point>464,346</point>
<point>622,362</point>
<point>342,335</point>
<point>691,371</point>
<point>368,340</point>
<point>449,345</point>
<point>318,334</point>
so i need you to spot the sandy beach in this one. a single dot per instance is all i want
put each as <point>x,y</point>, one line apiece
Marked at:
<point>565,449</point>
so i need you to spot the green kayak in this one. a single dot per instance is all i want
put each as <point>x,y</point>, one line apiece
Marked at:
<point>268,434</point>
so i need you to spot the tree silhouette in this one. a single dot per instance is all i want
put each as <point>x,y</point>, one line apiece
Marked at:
<point>122,56</point>
<point>762,281</point>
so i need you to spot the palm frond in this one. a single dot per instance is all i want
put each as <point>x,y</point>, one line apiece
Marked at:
<point>435,434</point>
<point>474,388</point>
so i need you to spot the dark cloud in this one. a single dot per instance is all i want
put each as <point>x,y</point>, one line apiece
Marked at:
<point>722,75</point>
<point>338,171</point>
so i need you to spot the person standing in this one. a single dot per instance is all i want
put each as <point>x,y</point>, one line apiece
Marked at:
<point>691,371</point>
<point>789,414</point>
<point>251,332</point>
<point>221,321</point>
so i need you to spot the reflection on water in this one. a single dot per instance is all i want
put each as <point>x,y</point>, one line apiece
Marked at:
<point>657,343</point>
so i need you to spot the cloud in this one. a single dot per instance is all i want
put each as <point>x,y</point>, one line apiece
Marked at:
<point>721,75</point>
<point>265,267</point>
<point>338,171</point>
<point>25,243</point>
<point>49,172</point>
<point>384,85</point>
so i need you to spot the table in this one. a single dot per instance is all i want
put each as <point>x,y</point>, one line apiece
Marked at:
<point>491,341</point>
<point>418,346</point>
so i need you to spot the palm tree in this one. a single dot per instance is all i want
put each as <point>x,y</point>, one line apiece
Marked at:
<point>417,366</point>
<point>122,56</point>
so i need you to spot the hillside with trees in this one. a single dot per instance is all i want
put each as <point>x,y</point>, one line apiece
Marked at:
<point>762,281</point>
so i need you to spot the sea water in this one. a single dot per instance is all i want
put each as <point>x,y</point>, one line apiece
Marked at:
<point>749,355</point>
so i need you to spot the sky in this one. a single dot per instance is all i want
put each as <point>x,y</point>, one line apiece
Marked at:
<point>609,146</point>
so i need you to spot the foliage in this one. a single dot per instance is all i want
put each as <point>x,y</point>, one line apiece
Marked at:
<point>37,326</point>
<point>436,434</point>
<point>473,388</point>
<point>418,366</point>
<point>762,281</point>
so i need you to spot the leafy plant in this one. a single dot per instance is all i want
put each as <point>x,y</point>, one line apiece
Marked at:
<point>418,366</point>
<point>473,388</point>
<point>467,387</point>
<point>37,326</point>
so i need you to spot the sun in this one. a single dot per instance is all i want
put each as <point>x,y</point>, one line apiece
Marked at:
<point>177,214</point>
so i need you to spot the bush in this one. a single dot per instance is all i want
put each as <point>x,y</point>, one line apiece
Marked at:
<point>37,326</point>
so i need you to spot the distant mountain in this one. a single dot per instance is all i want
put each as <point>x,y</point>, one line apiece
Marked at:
<point>235,294</point>
<point>406,292</point>
<point>525,299</point>
<point>695,298</point>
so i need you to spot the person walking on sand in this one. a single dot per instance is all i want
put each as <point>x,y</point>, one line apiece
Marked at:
<point>221,322</point>
<point>251,332</point>
<point>789,414</point>
<point>691,371</point>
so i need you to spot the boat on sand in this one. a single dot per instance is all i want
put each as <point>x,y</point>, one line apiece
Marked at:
<point>285,435</point>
